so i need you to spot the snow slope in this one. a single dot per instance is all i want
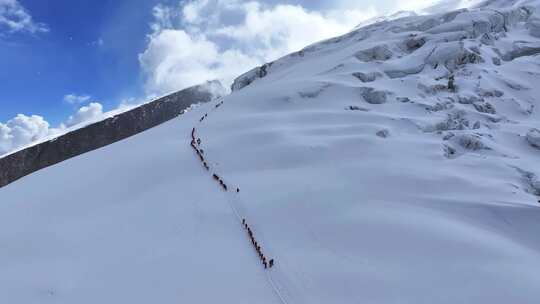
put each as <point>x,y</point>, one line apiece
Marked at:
<point>363,171</point>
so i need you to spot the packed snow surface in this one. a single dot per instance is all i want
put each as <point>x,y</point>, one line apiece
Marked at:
<point>396,164</point>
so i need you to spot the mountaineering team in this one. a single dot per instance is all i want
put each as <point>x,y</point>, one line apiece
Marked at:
<point>195,144</point>
<point>267,263</point>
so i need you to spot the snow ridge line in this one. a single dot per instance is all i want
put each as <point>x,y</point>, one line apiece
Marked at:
<point>195,144</point>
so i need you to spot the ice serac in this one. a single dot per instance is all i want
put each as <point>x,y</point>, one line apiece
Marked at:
<point>250,76</point>
<point>102,133</point>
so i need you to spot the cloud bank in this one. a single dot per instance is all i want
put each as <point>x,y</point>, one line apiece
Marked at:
<point>23,130</point>
<point>92,112</point>
<point>202,40</point>
<point>14,18</point>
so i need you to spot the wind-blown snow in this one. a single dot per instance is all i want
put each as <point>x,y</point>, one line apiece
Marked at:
<point>415,182</point>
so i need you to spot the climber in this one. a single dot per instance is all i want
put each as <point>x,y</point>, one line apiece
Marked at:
<point>271,263</point>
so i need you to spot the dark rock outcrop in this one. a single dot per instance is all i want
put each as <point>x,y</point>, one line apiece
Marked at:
<point>367,77</point>
<point>533,138</point>
<point>247,78</point>
<point>373,96</point>
<point>19,164</point>
<point>377,53</point>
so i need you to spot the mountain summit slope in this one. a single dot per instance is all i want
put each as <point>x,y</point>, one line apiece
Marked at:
<point>396,164</point>
<point>467,77</point>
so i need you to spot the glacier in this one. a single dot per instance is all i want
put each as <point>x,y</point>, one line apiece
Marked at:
<point>398,163</point>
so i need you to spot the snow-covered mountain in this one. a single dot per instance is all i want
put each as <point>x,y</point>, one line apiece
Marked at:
<point>396,164</point>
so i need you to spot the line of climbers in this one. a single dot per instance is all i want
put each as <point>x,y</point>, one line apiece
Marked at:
<point>202,118</point>
<point>195,144</point>
<point>267,263</point>
<point>220,181</point>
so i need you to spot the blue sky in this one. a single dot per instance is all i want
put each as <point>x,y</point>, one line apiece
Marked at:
<point>107,52</point>
<point>91,48</point>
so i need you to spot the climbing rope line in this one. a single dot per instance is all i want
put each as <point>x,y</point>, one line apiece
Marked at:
<point>267,263</point>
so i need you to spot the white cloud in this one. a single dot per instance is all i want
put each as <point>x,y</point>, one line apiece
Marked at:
<point>200,41</point>
<point>92,112</point>
<point>21,131</point>
<point>15,18</point>
<point>76,99</point>
<point>191,11</point>
<point>174,60</point>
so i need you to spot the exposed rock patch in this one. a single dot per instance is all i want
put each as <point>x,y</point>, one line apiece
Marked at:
<point>357,108</point>
<point>453,55</point>
<point>469,99</point>
<point>490,93</point>
<point>401,73</point>
<point>440,106</point>
<point>432,89</point>
<point>449,152</point>
<point>384,133</point>
<point>314,92</point>
<point>373,96</point>
<point>377,53</point>
<point>533,138</point>
<point>367,77</point>
<point>249,77</point>
<point>453,121</point>
<point>531,181</point>
<point>471,142</point>
<point>485,107</point>
<point>521,51</point>
<point>403,99</point>
<point>414,43</point>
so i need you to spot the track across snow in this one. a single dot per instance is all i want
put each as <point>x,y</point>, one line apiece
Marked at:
<point>133,222</point>
<point>233,197</point>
